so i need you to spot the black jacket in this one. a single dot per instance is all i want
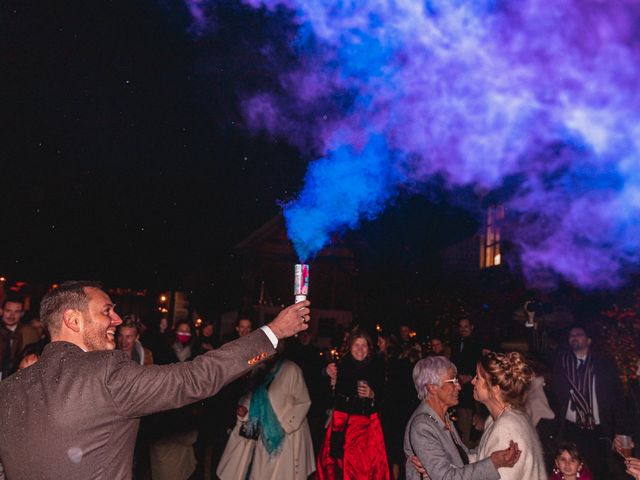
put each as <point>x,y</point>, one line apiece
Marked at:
<point>609,394</point>
<point>346,393</point>
<point>466,362</point>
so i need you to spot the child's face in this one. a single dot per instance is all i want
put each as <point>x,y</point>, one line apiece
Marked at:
<point>567,464</point>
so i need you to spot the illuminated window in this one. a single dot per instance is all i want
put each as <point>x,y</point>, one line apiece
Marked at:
<point>490,239</point>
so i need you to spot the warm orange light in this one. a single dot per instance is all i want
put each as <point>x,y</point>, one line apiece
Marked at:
<point>198,322</point>
<point>496,259</point>
<point>378,327</point>
<point>2,279</point>
<point>412,334</point>
<point>163,298</point>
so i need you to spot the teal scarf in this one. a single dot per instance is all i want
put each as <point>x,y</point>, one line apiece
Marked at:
<point>262,416</point>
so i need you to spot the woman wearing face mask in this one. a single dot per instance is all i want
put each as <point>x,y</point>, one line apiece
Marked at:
<point>173,433</point>
<point>184,345</point>
<point>354,447</point>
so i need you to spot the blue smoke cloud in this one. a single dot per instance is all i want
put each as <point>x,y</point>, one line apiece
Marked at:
<point>476,92</point>
<point>367,179</point>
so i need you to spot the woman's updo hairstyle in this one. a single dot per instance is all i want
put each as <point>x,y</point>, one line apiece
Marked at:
<point>510,372</point>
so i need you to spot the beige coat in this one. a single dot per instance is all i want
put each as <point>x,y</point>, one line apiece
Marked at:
<point>290,400</point>
<point>514,425</point>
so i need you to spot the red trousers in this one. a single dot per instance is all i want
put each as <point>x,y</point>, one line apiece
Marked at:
<point>365,457</point>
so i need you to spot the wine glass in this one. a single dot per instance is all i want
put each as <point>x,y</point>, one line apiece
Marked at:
<point>626,445</point>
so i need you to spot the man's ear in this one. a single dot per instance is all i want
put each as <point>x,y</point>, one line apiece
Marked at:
<point>71,319</point>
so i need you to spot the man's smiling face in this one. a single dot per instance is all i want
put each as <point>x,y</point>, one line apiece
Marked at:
<point>100,321</point>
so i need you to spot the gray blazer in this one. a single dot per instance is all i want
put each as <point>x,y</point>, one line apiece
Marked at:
<point>75,414</point>
<point>426,437</point>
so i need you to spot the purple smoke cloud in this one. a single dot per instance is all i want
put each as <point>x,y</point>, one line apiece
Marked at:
<point>477,92</point>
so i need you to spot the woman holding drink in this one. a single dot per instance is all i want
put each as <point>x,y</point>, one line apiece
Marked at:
<point>353,447</point>
<point>624,445</point>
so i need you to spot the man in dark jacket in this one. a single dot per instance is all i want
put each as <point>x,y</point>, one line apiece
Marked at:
<point>589,402</point>
<point>80,405</point>
<point>14,335</point>
<point>465,354</point>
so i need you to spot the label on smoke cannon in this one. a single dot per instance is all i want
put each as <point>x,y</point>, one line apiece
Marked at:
<point>301,282</point>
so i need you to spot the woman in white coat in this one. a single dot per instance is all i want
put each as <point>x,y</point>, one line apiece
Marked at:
<point>271,439</point>
<point>500,384</point>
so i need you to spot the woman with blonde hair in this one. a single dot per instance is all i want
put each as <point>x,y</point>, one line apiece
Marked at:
<point>500,384</point>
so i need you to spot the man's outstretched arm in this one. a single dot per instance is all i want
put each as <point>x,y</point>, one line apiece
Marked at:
<point>141,390</point>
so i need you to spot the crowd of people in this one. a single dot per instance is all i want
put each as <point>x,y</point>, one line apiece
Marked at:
<point>271,405</point>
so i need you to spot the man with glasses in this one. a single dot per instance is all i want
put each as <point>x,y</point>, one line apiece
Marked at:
<point>589,400</point>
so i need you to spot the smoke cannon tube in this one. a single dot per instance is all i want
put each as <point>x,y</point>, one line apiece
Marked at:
<point>301,282</point>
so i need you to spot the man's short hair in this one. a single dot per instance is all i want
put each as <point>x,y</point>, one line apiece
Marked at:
<point>587,331</point>
<point>69,295</point>
<point>13,298</point>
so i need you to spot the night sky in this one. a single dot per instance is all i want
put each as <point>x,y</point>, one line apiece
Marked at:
<point>124,154</point>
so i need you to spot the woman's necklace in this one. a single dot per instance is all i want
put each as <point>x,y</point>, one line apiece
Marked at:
<point>506,406</point>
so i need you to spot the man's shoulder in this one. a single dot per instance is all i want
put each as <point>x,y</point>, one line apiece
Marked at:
<point>4,331</point>
<point>105,359</point>
<point>79,361</point>
<point>6,387</point>
<point>601,357</point>
<point>604,362</point>
<point>19,382</point>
